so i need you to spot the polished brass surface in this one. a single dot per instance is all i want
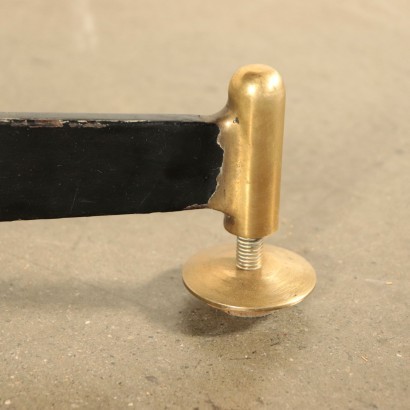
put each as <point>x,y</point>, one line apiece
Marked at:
<point>284,280</point>
<point>251,136</point>
<point>250,280</point>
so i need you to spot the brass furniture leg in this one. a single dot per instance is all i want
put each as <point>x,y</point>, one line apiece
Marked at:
<point>251,279</point>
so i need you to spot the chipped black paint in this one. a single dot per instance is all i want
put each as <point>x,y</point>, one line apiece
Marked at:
<point>59,166</point>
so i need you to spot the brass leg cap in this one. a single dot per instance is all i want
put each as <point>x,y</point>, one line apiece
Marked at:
<point>285,279</point>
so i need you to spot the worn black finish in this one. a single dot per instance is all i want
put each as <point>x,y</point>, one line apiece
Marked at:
<point>57,167</point>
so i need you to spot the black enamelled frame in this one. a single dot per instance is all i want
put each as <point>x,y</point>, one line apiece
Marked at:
<point>58,166</point>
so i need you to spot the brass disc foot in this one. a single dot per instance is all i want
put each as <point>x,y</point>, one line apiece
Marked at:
<point>285,279</point>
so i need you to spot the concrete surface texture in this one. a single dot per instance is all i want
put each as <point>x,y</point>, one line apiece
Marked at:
<point>93,313</point>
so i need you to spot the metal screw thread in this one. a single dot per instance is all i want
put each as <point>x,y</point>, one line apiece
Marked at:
<point>249,253</point>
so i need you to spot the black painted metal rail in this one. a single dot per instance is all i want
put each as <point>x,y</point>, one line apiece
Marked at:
<point>59,166</point>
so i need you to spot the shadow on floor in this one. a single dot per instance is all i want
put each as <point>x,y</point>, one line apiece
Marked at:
<point>162,300</point>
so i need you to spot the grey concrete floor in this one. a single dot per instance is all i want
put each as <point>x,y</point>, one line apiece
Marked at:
<point>93,313</point>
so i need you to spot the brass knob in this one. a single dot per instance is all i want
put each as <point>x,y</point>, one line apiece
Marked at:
<point>251,280</point>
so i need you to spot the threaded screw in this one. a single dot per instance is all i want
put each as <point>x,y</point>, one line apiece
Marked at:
<point>249,253</point>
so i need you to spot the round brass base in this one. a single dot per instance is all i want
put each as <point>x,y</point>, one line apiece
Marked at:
<point>285,279</point>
